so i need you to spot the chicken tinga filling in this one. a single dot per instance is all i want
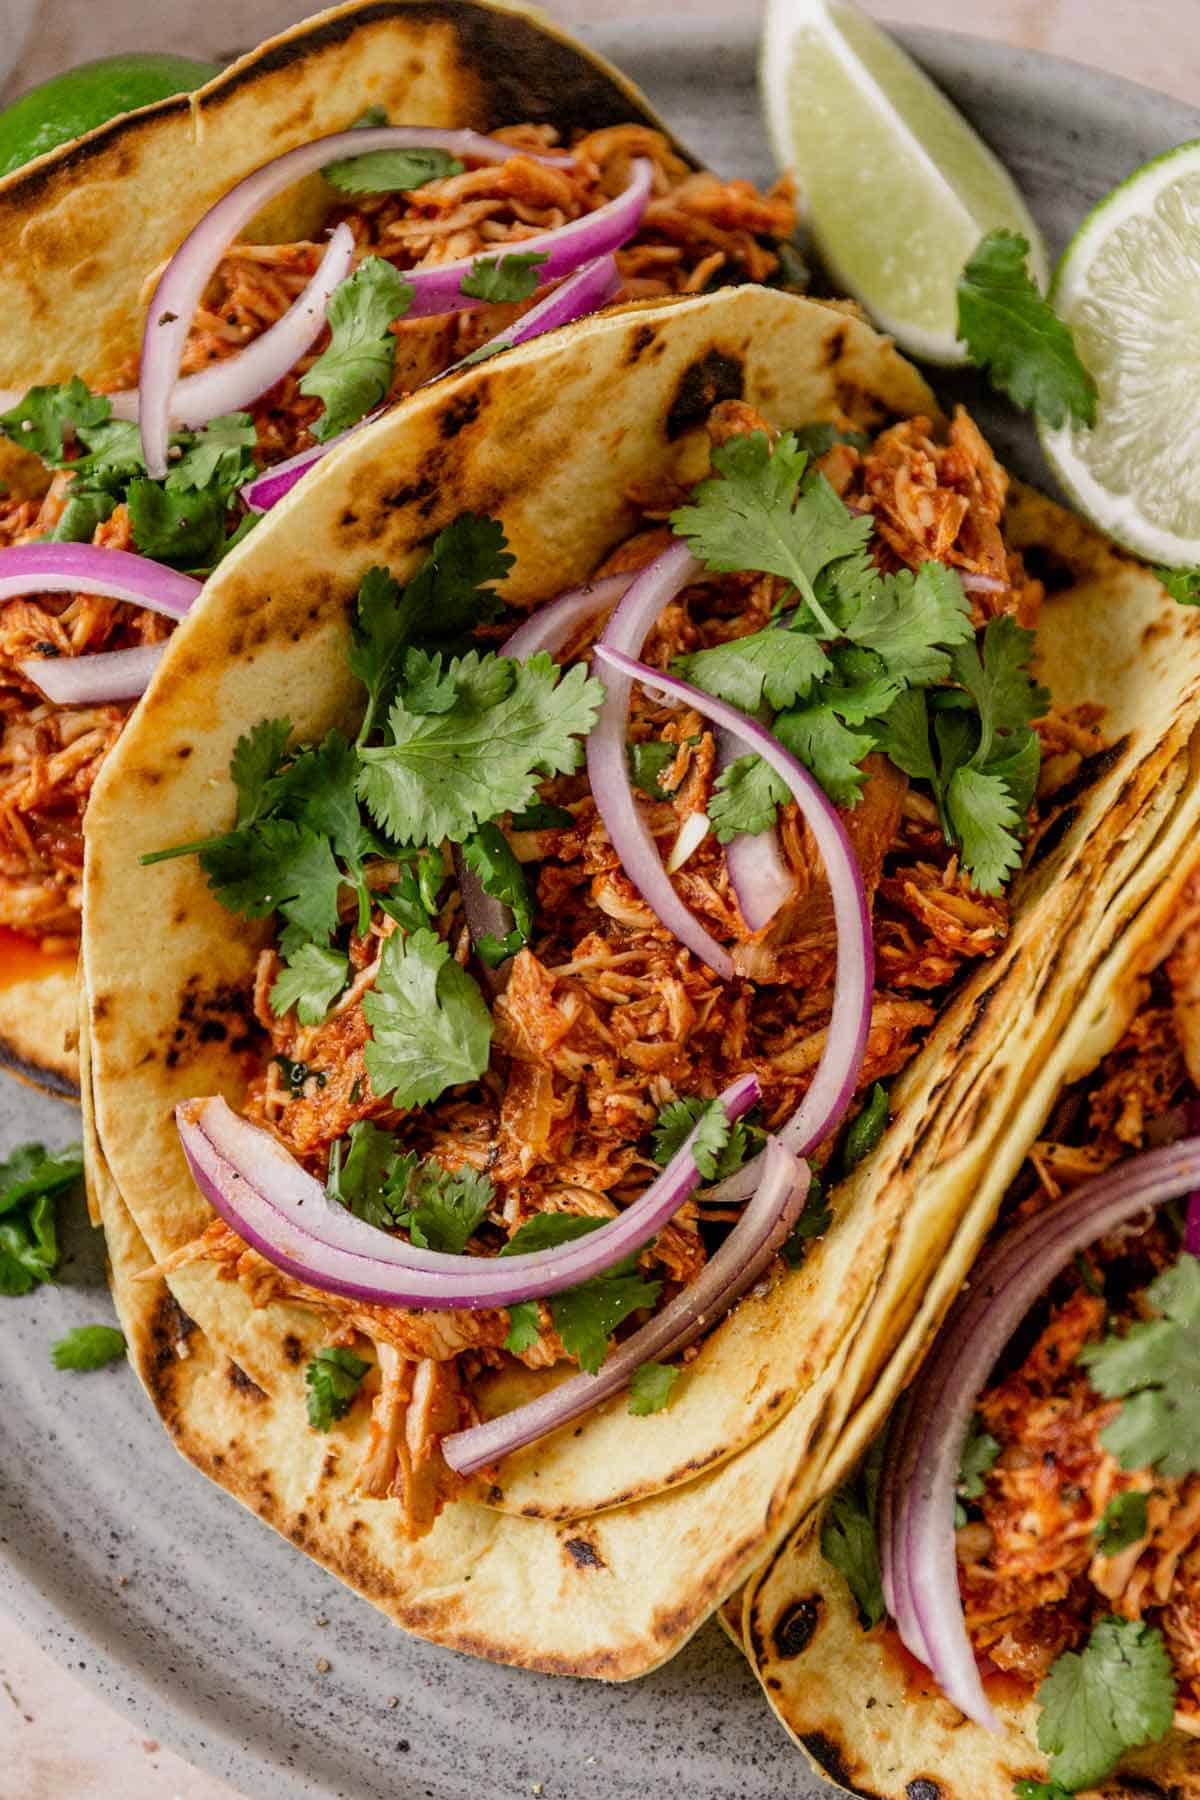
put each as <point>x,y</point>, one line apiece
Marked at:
<point>441,247</point>
<point>598,943</point>
<point>1037,1501</point>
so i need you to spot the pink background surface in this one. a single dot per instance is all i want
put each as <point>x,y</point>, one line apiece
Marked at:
<point>57,1741</point>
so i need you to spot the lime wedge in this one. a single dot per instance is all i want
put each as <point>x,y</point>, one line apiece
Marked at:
<point>1129,288</point>
<point>899,188</point>
<point>80,99</point>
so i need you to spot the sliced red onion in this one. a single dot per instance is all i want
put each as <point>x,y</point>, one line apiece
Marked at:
<point>590,287</point>
<point>737,1265</point>
<point>553,625</point>
<point>757,866</point>
<point>608,767</point>
<point>833,1085</point>
<point>983,584</point>
<point>436,288</point>
<point>231,384</point>
<point>927,1448</point>
<point>93,679</point>
<point>284,1213</point>
<point>49,568</point>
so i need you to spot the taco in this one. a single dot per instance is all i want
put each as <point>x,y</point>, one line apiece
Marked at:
<point>524,178</point>
<point>565,1072</point>
<point>1035,1504</point>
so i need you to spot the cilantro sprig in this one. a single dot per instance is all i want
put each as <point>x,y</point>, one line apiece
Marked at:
<point>585,1317</point>
<point>1117,1693</point>
<point>430,1026</point>
<point>1014,333</point>
<point>88,1347</point>
<point>333,1379</point>
<point>720,1148</point>
<point>1124,1522</point>
<point>1154,1369</point>
<point>355,372</point>
<point>32,1181</point>
<point>494,279</point>
<point>848,1537</point>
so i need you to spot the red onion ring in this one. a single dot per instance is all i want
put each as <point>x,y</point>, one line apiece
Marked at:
<point>833,1085</point>
<point>926,1450</point>
<point>92,679</point>
<point>757,866</point>
<point>436,288</point>
<point>590,287</point>
<point>982,584</point>
<point>231,384</point>
<point>737,1265</point>
<point>284,1213</point>
<point>608,767</point>
<point>49,568</point>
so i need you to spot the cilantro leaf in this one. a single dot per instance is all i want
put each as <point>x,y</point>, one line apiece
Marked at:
<point>1010,330</point>
<point>647,761</point>
<point>1182,584</point>
<point>865,1130</point>
<point>912,620</point>
<point>719,1149</point>
<point>1154,1369</point>
<point>44,418</point>
<point>319,790</point>
<point>257,756</point>
<point>820,436</point>
<point>524,1325</point>
<point>489,855</point>
<point>751,517</point>
<point>779,666</point>
<point>999,682</point>
<point>450,592</point>
<point>370,1175</point>
<point>89,504</point>
<point>404,902</point>
<point>986,821</point>
<point>545,1231</point>
<point>390,171</point>
<point>184,527</point>
<point>817,738</point>
<point>276,864</point>
<point>310,981</point>
<point>542,817</point>
<point>332,1378</point>
<point>1099,1702</point>
<point>430,1026</point>
<point>32,1180</point>
<point>814,1221</point>
<point>221,454</point>
<point>503,278</point>
<point>849,1543</point>
<point>744,797</point>
<point>355,372</point>
<point>586,1316</point>
<point>1124,1523</point>
<point>88,1347</point>
<point>903,734</point>
<point>442,775</point>
<point>979,1453</point>
<point>449,1206</point>
<point>650,1388</point>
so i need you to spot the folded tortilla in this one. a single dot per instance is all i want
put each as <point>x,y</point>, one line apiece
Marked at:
<point>548,440</point>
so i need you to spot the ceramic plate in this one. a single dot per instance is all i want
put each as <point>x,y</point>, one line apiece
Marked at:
<point>198,1621</point>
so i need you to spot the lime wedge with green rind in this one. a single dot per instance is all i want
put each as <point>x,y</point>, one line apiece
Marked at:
<point>68,105</point>
<point>1129,287</point>
<point>898,187</point>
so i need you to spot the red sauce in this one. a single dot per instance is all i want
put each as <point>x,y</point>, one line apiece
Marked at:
<point>1002,1688</point>
<point>23,959</point>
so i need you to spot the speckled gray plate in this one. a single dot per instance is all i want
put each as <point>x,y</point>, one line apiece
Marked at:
<point>213,1639</point>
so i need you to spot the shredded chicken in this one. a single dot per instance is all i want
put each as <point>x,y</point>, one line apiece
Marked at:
<point>1032,1577</point>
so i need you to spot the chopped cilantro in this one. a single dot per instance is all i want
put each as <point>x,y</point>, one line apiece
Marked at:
<point>220,454</point>
<point>257,756</point>
<point>817,737</point>
<point>647,761</point>
<point>310,982</point>
<point>1013,332</point>
<point>185,527</point>
<point>430,1026</point>
<point>489,856</point>
<point>403,901</point>
<point>820,436</point>
<point>441,775</point>
<point>848,1538</point>
<point>446,1207</point>
<point>540,817</point>
<point>866,1129</point>
<point>744,798</point>
<point>512,276</point>
<point>719,1148</point>
<point>89,504</point>
<point>1182,584</point>
<point>391,171</point>
<point>586,1316</point>
<point>370,1174</point>
<point>1117,1693</point>
<point>45,418</point>
<point>814,1221</point>
<point>88,1347</point>
<point>355,372</point>
<point>545,1231</point>
<point>1124,1523</point>
<point>332,1378</point>
<point>1154,1369</point>
<point>296,1075</point>
<point>32,1180</point>
<point>524,1324</point>
<point>277,864</point>
<point>979,1453</point>
<point>650,1388</point>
